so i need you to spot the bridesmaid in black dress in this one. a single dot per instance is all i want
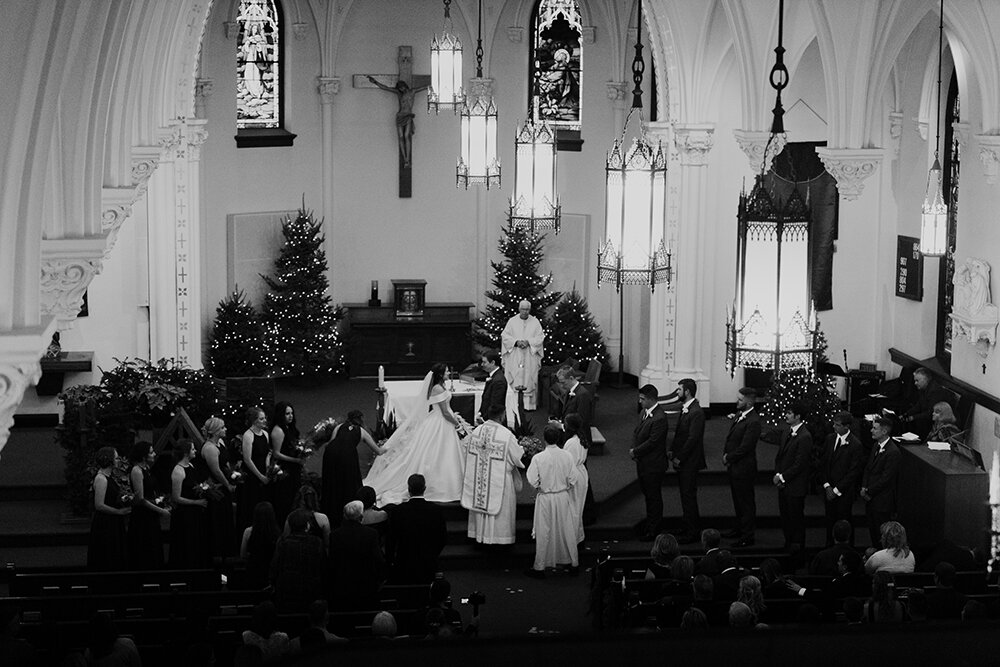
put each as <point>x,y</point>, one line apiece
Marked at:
<point>145,537</point>
<point>255,450</point>
<point>341,469</point>
<point>220,511</point>
<point>190,545</point>
<point>284,439</point>
<point>106,549</point>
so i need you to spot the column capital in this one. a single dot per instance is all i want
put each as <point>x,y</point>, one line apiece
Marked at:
<point>203,88</point>
<point>299,29</point>
<point>515,34</point>
<point>661,131</point>
<point>20,367</point>
<point>895,131</point>
<point>694,141</point>
<point>989,156</point>
<point>116,208</point>
<point>327,87</point>
<point>851,167</point>
<point>753,144</point>
<point>922,126</point>
<point>68,266</point>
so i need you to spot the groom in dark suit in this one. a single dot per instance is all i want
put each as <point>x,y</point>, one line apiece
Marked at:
<point>579,399</point>
<point>791,476</point>
<point>739,455</point>
<point>878,480</point>
<point>687,453</point>
<point>649,451</point>
<point>495,390</point>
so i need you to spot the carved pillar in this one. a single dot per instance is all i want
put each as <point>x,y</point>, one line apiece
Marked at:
<point>989,156</point>
<point>174,203</point>
<point>68,266</point>
<point>327,87</point>
<point>202,91</point>
<point>753,144</point>
<point>692,344</point>
<point>20,353</point>
<point>851,167</point>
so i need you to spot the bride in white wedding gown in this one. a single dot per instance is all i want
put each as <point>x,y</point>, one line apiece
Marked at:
<point>426,443</point>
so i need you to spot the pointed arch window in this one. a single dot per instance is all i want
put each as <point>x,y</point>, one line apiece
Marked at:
<point>259,61</point>
<point>556,67</point>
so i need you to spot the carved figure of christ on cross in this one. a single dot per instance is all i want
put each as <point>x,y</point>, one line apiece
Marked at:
<point>405,87</point>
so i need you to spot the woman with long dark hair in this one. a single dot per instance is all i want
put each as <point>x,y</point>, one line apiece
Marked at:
<point>284,440</point>
<point>106,549</point>
<point>255,450</point>
<point>257,546</point>
<point>215,456</point>
<point>145,536</point>
<point>190,545</point>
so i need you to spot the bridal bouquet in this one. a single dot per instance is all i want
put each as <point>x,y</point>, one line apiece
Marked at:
<point>464,428</point>
<point>531,445</point>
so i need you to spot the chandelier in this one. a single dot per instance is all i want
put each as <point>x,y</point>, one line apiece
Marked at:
<point>535,204</point>
<point>446,68</point>
<point>478,164</point>
<point>934,212</point>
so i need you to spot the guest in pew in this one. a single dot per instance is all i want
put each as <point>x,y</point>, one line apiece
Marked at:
<point>854,611</point>
<point>319,524</point>
<point>965,559</point>
<point>258,544</point>
<point>851,579</point>
<point>341,464</point>
<point>106,648</point>
<point>145,536</point>
<point>374,515</point>
<point>284,440</point>
<point>255,450</point>
<point>944,601</point>
<point>825,562</point>
<point>750,594</point>
<point>107,549</point>
<point>882,606</point>
<point>319,619</point>
<point>190,541</point>
<point>216,458</point>
<point>264,634</point>
<point>384,626</point>
<point>13,649</point>
<point>895,556</point>
<point>741,616</point>
<point>439,598</point>
<point>703,598</point>
<point>727,582</point>
<point>878,481</point>
<point>357,566</point>
<point>919,416</point>
<point>943,424</point>
<point>665,550</point>
<point>297,566</point>
<point>917,609</point>
<point>417,534</point>
<point>974,610</point>
<point>773,583</point>
<point>682,572</point>
<point>694,619</point>
<point>709,563</point>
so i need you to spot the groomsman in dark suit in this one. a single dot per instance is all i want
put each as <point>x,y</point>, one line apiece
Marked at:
<point>739,454</point>
<point>791,476</point>
<point>649,451</point>
<point>878,482</point>
<point>840,472</point>
<point>687,453</point>
<point>579,399</point>
<point>495,389</point>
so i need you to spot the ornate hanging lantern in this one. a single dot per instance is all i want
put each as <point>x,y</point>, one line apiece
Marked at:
<point>479,164</point>
<point>535,205</point>
<point>934,212</point>
<point>446,68</point>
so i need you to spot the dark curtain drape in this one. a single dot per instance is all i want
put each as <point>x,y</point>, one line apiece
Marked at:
<point>798,166</point>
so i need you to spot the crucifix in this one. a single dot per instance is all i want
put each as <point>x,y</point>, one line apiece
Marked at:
<point>405,86</point>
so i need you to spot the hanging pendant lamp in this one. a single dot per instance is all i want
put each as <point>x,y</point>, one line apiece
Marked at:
<point>446,68</point>
<point>478,164</point>
<point>934,212</point>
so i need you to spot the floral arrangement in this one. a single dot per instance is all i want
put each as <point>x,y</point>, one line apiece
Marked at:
<point>531,445</point>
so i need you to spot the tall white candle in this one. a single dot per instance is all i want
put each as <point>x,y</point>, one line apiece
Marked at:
<point>995,481</point>
<point>381,377</point>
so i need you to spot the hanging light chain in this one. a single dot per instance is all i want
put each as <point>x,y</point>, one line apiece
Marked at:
<point>638,64</point>
<point>937,139</point>
<point>479,44</point>
<point>779,74</point>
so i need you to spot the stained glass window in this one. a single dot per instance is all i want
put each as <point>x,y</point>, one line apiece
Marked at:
<point>557,63</point>
<point>952,169</point>
<point>258,86</point>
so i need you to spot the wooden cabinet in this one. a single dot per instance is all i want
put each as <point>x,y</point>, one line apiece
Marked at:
<point>408,346</point>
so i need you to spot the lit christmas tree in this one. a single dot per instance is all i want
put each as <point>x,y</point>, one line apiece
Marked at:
<point>516,278</point>
<point>301,335</point>
<point>573,333</point>
<point>236,341</point>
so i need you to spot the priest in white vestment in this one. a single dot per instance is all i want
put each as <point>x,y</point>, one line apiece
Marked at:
<point>553,473</point>
<point>521,349</point>
<point>492,480</point>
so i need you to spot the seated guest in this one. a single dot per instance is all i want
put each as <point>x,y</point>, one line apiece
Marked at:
<point>13,649</point>
<point>319,619</point>
<point>439,598</point>
<point>106,648</point>
<point>772,581</point>
<point>384,625</point>
<point>694,619</point>
<point>297,566</point>
<point>356,563</point>
<point>851,579</point>
<point>702,588</point>
<point>709,563</point>
<point>374,516</point>
<point>257,546</point>
<point>964,559</point>
<point>882,606</point>
<point>916,606</point>
<point>727,582</point>
<point>417,534</point>
<point>895,556</point>
<point>749,593</point>
<point>741,616</point>
<point>944,601</point>
<point>918,417</point>
<point>263,632</point>
<point>974,610</point>
<point>665,550</point>
<point>854,611</point>
<point>825,562</point>
<point>942,423</point>
<point>319,523</point>
<point>681,572</point>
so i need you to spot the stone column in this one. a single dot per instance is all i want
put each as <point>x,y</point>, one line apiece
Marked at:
<point>661,327</point>
<point>693,341</point>
<point>327,87</point>
<point>616,92</point>
<point>20,355</point>
<point>174,203</point>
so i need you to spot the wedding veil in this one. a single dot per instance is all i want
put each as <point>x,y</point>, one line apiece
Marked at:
<point>421,409</point>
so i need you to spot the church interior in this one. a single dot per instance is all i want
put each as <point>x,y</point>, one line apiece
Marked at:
<point>139,188</point>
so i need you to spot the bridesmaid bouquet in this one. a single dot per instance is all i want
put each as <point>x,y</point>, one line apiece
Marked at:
<point>162,501</point>
<point>320,434</point>
<point>127,498</point>
<point>236,474</point>
<point>209,491</point>
<point>275,473</point>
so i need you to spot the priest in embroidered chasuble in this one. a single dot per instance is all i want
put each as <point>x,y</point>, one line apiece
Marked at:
<point>492,481</point>
<point>521,349</point>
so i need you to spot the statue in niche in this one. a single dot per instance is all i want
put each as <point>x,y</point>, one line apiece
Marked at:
<point>972,287</point>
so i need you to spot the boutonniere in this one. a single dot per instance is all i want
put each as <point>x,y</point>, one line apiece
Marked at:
<point>684,411</point>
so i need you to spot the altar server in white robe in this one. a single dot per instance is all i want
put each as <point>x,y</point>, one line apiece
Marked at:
<point>521,349</point>
<point>578,493</point>
<point>553,474</point>
<point>492,480</point>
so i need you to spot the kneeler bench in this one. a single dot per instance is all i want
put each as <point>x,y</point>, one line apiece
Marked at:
<point>597,442</point>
